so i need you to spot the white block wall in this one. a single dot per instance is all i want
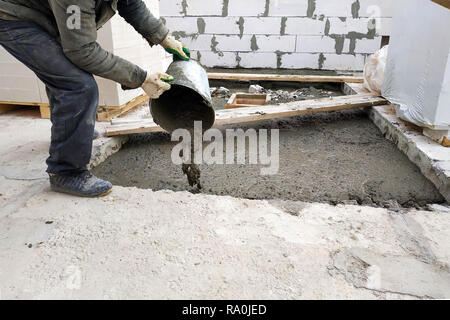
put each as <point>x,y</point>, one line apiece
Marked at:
<point>17,82</point>
<point>117,37</point>
<point>316,34</point>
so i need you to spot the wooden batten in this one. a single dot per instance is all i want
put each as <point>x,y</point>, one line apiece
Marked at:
<point>444,3</point>
<point>284,78</point>
<point>254,114</point>
<point>243,100</point>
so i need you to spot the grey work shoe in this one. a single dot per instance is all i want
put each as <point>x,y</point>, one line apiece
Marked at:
<point>82,184</point>
<point>96,134</point>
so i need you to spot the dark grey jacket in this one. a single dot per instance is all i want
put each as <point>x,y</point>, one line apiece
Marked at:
<point>80,45</point>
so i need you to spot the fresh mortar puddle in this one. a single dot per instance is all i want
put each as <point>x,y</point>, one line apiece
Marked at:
<point>337,157</point>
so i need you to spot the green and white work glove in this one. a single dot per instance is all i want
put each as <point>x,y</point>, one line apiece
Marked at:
<point>156,84</point>
<point>176,48</point>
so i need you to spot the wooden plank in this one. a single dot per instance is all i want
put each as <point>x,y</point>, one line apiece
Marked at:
<point>107,113</point>
<point>445,3</point>
<point>44,108</point>
<point>255,102</point>
<point>45,111</point>
<point>7,107</point>
<point>37,104</point>
<point>231,101</point>
<point>119,121</point>
<point>260,96</point>
<point>235,106</point>
<point>446,142</point>
<point>286,78</point>
<point>252,114</point>
<point>357,88</point>
<point>243,100</point>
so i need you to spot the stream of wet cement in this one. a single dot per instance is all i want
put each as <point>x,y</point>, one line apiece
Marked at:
<point>192,172</point>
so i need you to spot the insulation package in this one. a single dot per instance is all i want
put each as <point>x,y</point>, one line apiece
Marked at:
<point>374,70</point>
<point>417,75</point>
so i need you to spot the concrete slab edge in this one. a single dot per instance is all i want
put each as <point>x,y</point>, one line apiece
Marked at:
<point>432,158</point>
<point>104,147</point>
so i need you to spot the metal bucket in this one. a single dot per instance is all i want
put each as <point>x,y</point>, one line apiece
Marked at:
<point>187,101</point>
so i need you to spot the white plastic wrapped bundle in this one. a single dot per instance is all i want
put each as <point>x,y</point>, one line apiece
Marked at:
<point>417,75</point>
<point>374,70</point>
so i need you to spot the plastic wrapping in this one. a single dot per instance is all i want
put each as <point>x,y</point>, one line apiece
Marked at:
<point>374,70</point>
<point>417,74</point>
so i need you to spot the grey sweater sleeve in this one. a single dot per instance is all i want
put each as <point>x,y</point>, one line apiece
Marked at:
<point>136,13</point>
<point>81,48</point>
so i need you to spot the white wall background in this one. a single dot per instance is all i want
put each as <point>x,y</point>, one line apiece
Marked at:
<point>291,34</point>
<point>20,84</point>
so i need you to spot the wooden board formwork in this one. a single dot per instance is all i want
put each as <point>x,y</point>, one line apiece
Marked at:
<point>284,78</point>
<point>445,3</point>
<point>6,106</point>
<point>104,113</point>
<point>107,113</point>
<point>243,100</point>
<point>259,113</point>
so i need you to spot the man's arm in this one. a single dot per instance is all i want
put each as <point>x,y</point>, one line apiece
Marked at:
<point>80,46</point>
<point>136,13</point>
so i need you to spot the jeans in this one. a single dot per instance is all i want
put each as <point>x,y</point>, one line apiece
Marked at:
<point>72,93</point>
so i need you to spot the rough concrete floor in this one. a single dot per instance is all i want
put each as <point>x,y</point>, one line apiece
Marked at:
<point>432,158</point>
<point>324,158</point>
<point>138,243</point>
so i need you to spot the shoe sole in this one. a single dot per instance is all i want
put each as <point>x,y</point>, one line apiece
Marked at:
<point>56,189</point>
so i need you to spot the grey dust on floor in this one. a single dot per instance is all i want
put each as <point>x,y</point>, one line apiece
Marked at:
<point>334,157</point>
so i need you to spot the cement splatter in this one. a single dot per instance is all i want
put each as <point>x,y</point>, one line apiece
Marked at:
<point>279,58</point>
<point>283,26</point>
<point>321,60</point>
<point>311,8</point>
<point>266,9</point>
<point>355,9</point>
<point>179,34</point>
<point>240,23</point>
<point>351,36</point>
<point>225,8</point>
<point>340,40</point>
<point>254,44</point>
<point>184,6</point>
<point>201,25</point>
<point>214,44</point>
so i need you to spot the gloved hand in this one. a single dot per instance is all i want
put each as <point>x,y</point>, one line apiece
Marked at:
<point>156,84</point>
<point>176,48</point>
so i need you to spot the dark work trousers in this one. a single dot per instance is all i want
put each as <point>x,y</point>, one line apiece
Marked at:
<point>72,93</point>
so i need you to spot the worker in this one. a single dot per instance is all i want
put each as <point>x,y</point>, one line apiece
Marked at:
<point>56,39</point>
